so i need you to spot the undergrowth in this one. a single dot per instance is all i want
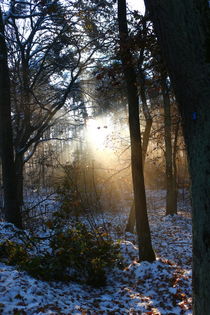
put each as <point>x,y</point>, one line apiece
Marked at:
<point>75,253</point>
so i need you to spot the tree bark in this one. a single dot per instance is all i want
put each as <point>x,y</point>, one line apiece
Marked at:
<point>148,120</point>
<point>174,164</point>
<point>147,116</point>
<point>131,220</point>
<point>11,205</point>
<point>179,25</point>
<point>142,225</point>
<point>171,206</point>
<point>19,166</point>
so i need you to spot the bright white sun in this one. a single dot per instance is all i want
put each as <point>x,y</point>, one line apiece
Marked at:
<point>97,131</point>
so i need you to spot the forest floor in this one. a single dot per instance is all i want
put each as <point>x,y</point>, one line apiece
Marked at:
<point>163,287</point>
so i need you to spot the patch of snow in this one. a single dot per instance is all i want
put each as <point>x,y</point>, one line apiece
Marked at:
<point>162,287</point>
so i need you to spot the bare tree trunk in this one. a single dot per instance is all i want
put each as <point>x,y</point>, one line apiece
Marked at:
<point>148,119</point>
<point>145,141</point>
<point>147,116</point>
<point>11,205</point>
<point>174,164</point>
<point>131,220</point>
<point>182,27</point>
<point>171,207</point>
<point>19,165</point>
<point>142,225</point>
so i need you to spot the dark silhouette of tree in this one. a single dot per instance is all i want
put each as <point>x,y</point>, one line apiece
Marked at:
<point>142,225</point>
<point>183,30</point>
<point>48,53</point>
<point>171,191</point>
<point>11,205</point>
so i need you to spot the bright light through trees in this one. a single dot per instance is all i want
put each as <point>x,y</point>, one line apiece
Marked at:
<point>137,5</point>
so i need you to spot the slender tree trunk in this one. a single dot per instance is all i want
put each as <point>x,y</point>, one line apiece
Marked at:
<point>145,141</point>
<point>182,27</point>
<point>131,220</point>
<point>147,116</point>
<point>11,205</point>
<point>171,207</point>
<point>174,165</point>
<point>148,119</point>
<point>142,225</point>
<point>19,166</point>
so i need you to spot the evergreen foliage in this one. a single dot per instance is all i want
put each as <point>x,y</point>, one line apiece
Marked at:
<point>75,253</point>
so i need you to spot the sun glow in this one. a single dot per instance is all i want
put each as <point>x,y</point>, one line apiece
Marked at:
<point>106,141</point>
<point>137,5</point>
<point>98,132</point>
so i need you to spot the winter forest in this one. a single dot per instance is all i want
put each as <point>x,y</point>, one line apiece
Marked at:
<point>104,157</point>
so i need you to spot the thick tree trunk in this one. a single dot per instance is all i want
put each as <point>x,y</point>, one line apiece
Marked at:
<point>180,28</point>
<point>171,207</point>
<point>142,225</point>
<point>11,206</point>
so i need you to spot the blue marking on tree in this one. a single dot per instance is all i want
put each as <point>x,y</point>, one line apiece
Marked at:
<point>194,115</point>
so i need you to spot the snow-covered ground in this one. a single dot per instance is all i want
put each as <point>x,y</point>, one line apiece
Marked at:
<point>163,287</point>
